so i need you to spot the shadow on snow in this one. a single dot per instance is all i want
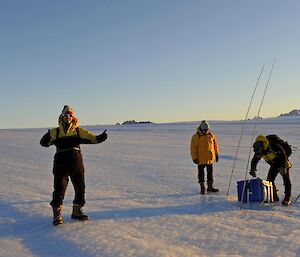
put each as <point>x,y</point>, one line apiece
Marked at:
<point>208,204</point>
<point>37,233</point>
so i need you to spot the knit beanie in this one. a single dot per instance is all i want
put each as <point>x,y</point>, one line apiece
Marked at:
<point>204,126</point>
<point>67,110</point>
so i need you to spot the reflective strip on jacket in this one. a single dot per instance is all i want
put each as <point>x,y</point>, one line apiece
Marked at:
<point>204,148</point>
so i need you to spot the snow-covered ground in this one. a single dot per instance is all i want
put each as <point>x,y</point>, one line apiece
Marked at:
<point>143,197</point>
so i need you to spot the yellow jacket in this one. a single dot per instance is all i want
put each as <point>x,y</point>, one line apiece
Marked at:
<point>204,148</point>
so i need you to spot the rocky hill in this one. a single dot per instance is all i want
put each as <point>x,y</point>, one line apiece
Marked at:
<point>291,113</point>
<point>133,122</point>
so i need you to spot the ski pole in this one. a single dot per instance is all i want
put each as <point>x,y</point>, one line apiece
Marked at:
<point>297,198</point>
<point>243,128</point>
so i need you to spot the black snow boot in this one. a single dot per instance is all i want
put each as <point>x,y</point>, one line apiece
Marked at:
<point>57,217</point>
<point>286,201</point>
<point>202,188</point>
<point>78,214</point>
<point>210,188</point>
<point>275,195</point>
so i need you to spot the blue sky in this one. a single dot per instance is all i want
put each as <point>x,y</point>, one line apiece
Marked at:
<point>158,60</point>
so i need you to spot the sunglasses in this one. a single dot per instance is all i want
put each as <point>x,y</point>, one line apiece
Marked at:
<point>67,115</point>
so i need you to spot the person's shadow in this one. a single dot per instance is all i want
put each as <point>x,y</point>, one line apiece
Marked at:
<point>206,205</point>
<point>36,233</point>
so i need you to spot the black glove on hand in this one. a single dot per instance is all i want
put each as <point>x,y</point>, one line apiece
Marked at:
<point>252,173</point>
<point>217,157</point>
<point>46,139</point>
<point>102,137</point>
<point>196,161</point>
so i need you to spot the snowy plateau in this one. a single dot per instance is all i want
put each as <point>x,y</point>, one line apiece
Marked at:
<point>143,198</point>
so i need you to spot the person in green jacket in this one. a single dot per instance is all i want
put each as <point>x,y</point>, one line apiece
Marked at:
<point>68,162</point>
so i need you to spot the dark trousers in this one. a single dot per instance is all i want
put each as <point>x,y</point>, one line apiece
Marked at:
<point>272,174</point>
<point>209,170</point>
<point>68,164</point>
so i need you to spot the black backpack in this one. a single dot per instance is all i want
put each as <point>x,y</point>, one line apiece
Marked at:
<point>274,139</point>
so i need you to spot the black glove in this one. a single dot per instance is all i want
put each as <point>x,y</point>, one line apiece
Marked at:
<point>217,157</point>
<point>252,173</point>
<point>196,161</point>
<point>46,139</point>
<point>102,137</point>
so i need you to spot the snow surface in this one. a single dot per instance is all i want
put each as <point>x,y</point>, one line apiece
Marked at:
<point>143,197</point>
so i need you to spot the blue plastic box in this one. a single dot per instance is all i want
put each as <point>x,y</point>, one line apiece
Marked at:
<point>256,190</point>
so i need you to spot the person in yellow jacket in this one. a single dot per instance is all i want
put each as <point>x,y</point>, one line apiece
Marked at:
<point>68,162</point>
<point>204,152</point>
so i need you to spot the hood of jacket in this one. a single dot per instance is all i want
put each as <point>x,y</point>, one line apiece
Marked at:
<point>71,127</point>
<point>264,140</point>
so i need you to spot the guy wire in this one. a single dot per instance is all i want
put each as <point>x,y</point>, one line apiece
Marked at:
<point>254,130</point>
<point>243,128</point>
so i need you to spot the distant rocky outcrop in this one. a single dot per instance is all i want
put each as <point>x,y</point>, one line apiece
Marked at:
<point>133,122</point>
<point>256,118</point>
<point>291,113</point>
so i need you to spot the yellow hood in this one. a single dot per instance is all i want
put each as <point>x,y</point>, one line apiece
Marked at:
<point>264,140</point>
<point>72,127</point>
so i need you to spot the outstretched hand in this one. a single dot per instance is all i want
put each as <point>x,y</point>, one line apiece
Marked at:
<point>102,137</point>
<point>46,139</point>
